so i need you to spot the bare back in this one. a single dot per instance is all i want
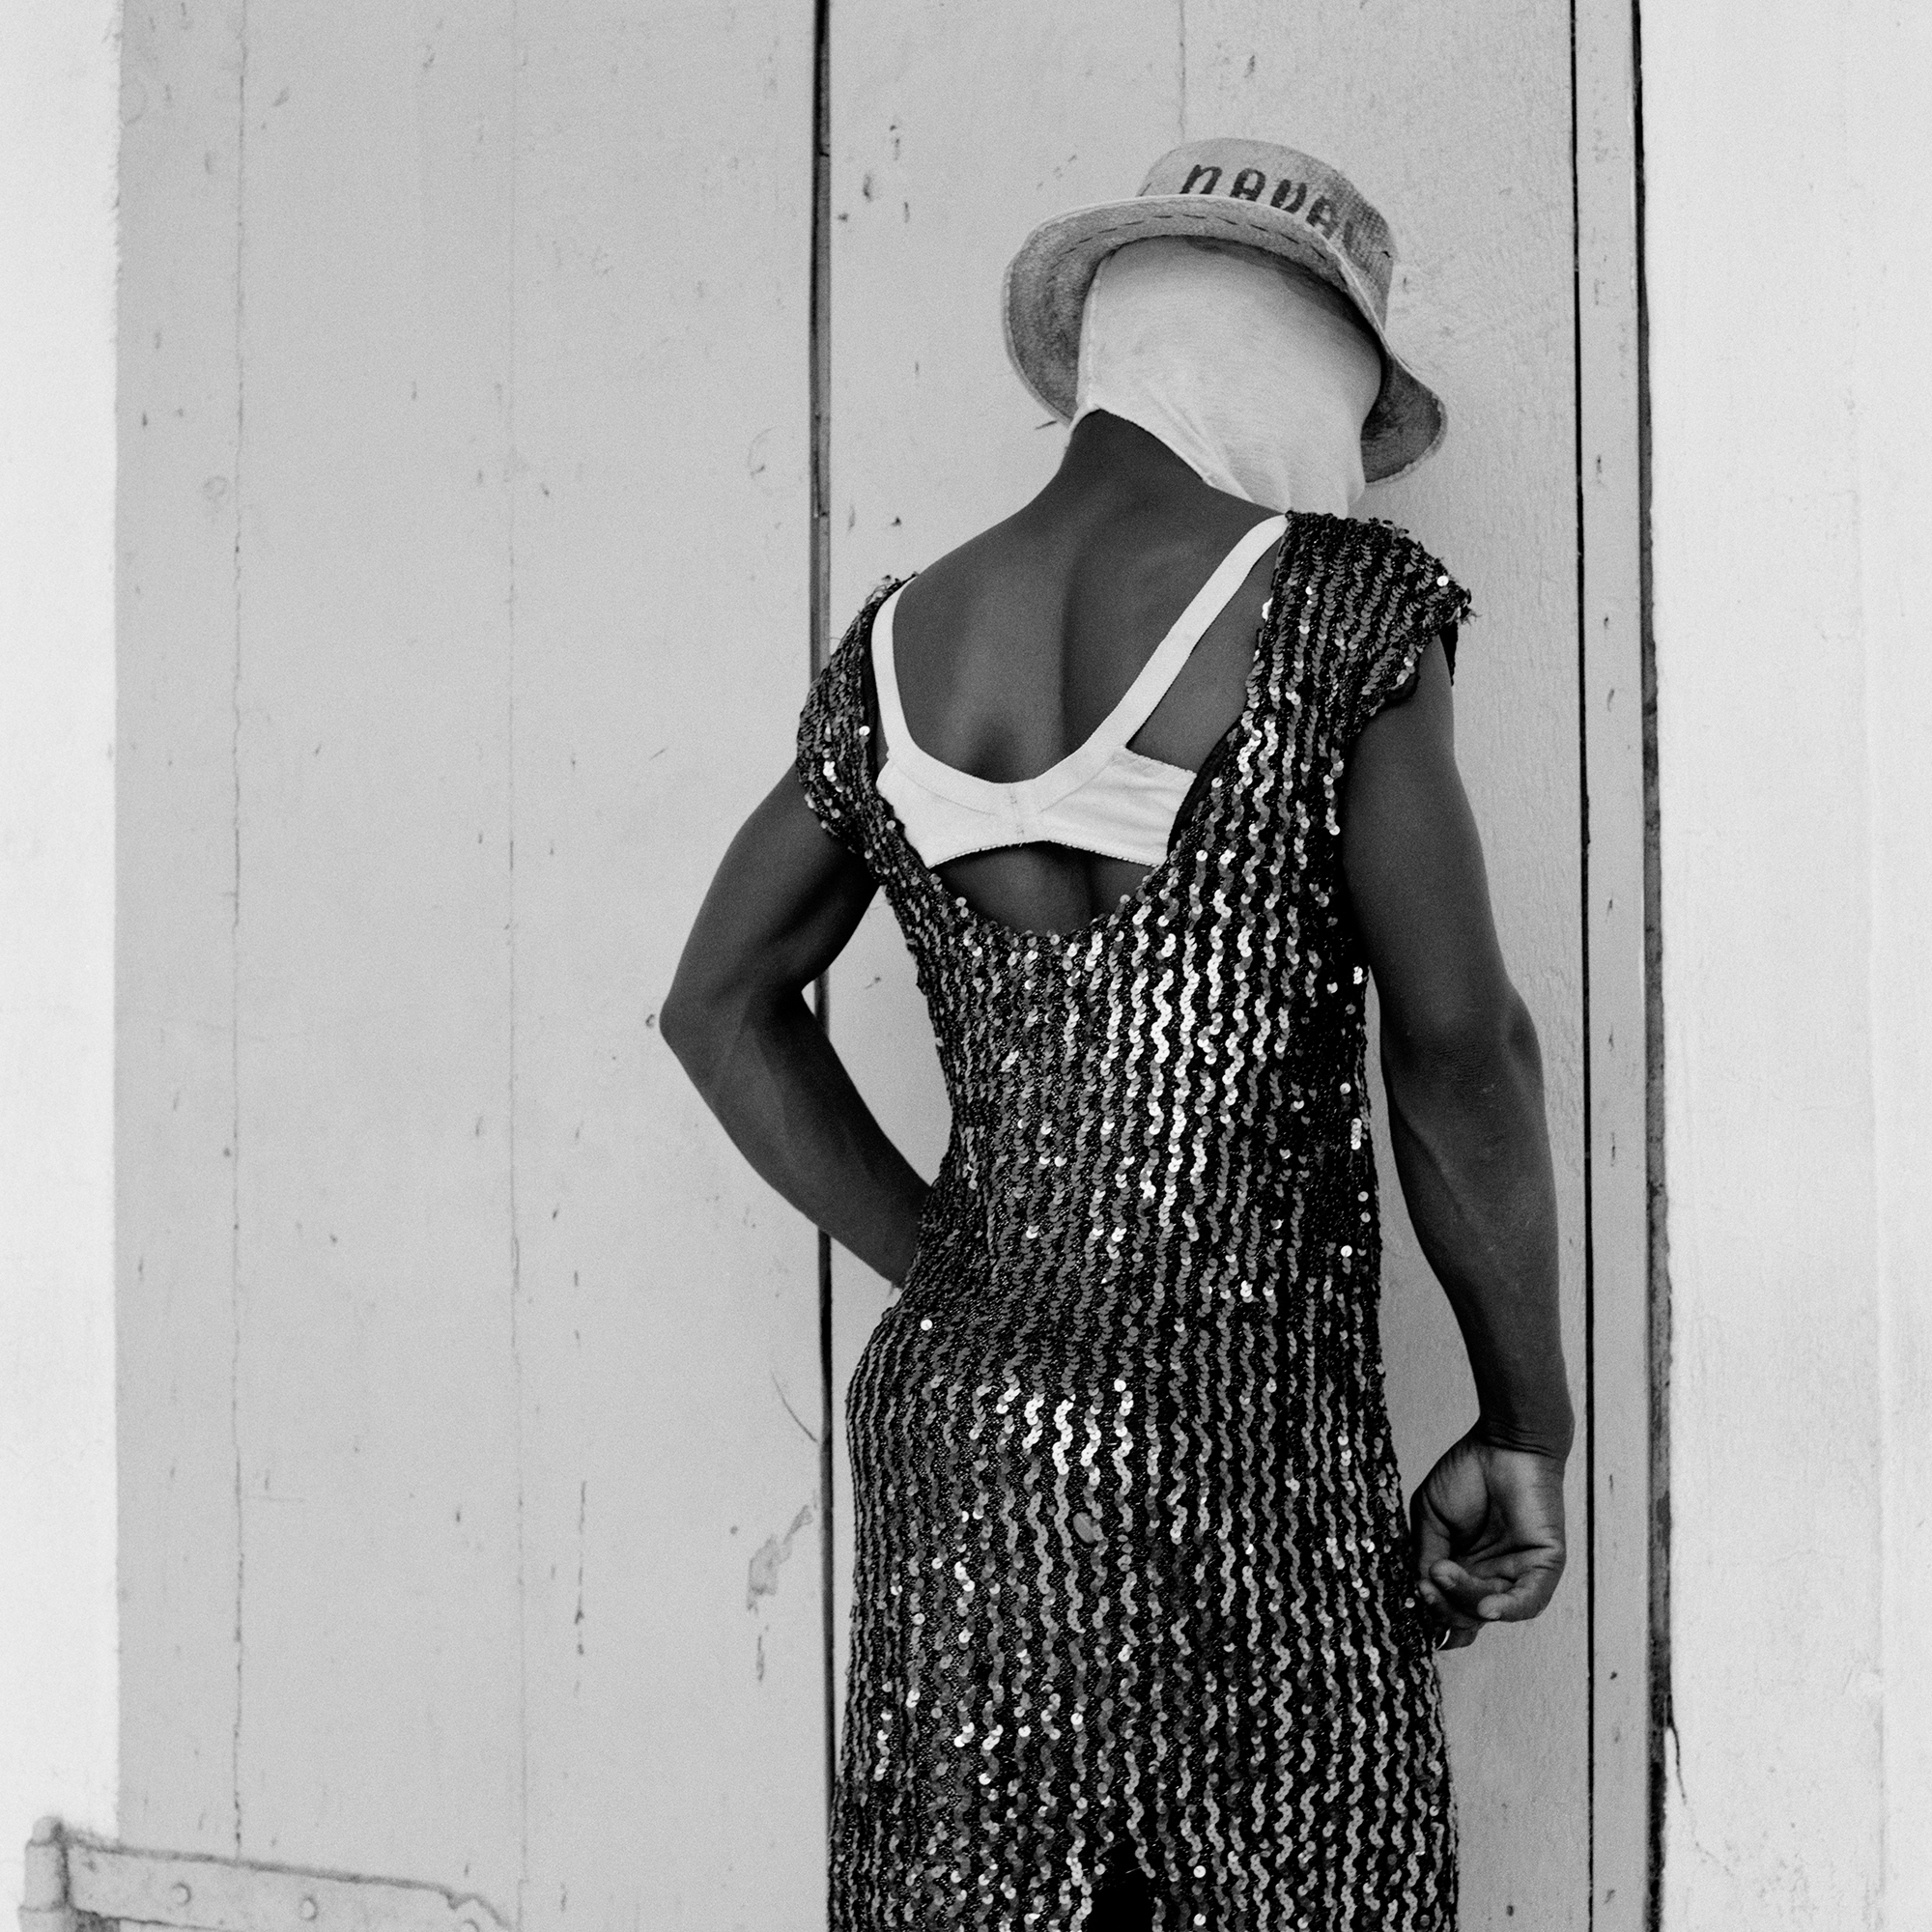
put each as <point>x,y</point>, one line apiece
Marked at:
<point>1012,649</point>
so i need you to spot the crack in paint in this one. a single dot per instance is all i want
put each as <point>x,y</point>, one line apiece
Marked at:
<point>583,1512</point>
<point>811,1435</point>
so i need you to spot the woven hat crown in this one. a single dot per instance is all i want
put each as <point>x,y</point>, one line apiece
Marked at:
<point>1321,199</point>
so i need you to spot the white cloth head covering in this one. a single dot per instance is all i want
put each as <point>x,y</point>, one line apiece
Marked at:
<point>1256,374</point>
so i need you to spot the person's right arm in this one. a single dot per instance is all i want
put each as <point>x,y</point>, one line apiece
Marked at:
<point>785,899</point>
<point>1464,1084</point>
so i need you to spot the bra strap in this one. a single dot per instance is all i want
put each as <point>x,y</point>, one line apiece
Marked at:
<point>1136,703</point>
<point>886,677</point>
<point>1158,673</point>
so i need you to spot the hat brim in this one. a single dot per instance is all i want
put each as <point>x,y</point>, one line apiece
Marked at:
<point>1046,286</point>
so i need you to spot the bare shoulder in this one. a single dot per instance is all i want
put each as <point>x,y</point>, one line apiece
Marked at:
<point>1000,569</point>
<point>1152,548</point>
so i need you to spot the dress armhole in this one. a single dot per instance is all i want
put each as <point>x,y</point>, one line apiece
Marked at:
<point>833,764</point>
<point>1406,689</point>
<point>1408,601</point>
<point>816,770</point>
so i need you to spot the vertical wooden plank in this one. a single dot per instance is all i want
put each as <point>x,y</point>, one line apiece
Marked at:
<point>931,445</point>
<point>472,1467</point>
<point>1888,71</point>
<point>954,133</point>
<point>1612,634</point>
<point>378,1404</point>
<point>60,112</point>
<point>1761,611</point>
<point>666,1300</point>
<point>174,921</point>
<point>1455,121</point>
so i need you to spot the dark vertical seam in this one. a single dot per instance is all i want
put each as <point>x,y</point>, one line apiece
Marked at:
<point>818,647</point>
<point>510,914</point>
<point>1661,1715</point>
<point>1589,1035</point>
<point>234,923</point>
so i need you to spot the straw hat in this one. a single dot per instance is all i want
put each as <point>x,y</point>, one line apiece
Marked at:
<point>1252,192</point>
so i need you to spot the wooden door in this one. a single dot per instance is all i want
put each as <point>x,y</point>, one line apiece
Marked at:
<point>955,129</point>
<point>470,1489</point>
<point>470,1417</point>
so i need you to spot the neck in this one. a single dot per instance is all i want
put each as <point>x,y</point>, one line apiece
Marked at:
<point>1109,459</point>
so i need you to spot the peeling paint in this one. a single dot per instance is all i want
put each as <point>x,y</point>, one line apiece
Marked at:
<point>761,1573</point>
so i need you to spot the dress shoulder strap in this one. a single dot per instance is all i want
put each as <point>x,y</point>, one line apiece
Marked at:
<point>833,762</point>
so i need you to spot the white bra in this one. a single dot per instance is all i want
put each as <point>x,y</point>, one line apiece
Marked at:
<point>1100,797</point>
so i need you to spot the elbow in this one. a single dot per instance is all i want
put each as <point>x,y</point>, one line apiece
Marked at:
<point>681,1021</point>
<point>706,1015</point>
<point>1510,1038</point>
<point>693,1021</point>
<point>1472,1041</point>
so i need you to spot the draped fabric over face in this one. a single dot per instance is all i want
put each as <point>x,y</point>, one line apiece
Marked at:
<point>1254,372</point>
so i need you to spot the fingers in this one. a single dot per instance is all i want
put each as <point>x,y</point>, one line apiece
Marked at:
<point>1453,1631</point>
<point>1513,1592</point>
<point>1463,1602</point>
<point>1517,1600</point>
<point>1462,1592</point>
<point>1453,1594</point>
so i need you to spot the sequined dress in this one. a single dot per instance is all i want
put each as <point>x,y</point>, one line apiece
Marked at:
<point>1131,1568</point>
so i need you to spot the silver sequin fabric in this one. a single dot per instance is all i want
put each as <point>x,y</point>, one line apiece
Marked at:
<point>1132,1575</point>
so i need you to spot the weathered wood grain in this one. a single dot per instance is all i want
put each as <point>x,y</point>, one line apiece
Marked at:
<point>377,1465</point>
<point>666,1300</point>
<point>174,922</point>
<point>470,1525</point>
<point>1610,628</point>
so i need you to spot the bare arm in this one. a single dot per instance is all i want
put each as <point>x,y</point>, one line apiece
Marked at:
<point>1465,1085</point>
<point>784,903</point>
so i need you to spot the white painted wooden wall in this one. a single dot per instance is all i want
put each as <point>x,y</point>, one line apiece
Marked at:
<point>470,1503</point>
<point>1793,498</point>
<point>468,1525</point>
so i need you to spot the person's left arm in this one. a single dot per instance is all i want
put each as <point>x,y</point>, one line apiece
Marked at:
<point>781,909</point>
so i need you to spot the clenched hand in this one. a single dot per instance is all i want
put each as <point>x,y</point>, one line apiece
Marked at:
<point>1489,1537</point>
